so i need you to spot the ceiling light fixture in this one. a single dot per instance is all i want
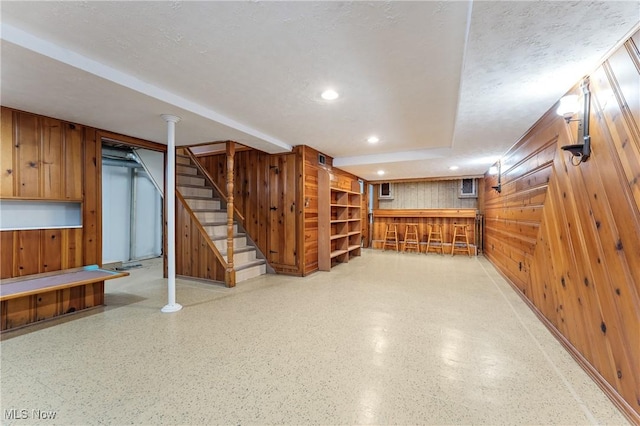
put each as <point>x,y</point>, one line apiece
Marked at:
<point>380,172</point>
<point>330,95</point>
<point>373,139</point>
<point>454,168</point>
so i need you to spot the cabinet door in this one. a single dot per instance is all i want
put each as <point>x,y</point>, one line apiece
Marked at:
<point>282,210</point>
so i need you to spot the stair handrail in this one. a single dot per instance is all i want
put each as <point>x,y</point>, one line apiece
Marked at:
<point>211,182</point>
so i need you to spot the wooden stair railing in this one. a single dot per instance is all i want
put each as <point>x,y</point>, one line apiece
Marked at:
<point>228,262</point>
<point>212,182</point>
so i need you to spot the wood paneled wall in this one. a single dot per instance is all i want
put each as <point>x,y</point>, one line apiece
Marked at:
<point>251,196</point>
<point>47,159</point>
<point>567,236</point>
<point>288,234</point>
<point>194,257</point>
<point>310,231</point>
<point>267,194</point>
<point>436,194</point>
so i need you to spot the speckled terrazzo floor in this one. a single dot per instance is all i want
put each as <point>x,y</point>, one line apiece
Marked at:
<point>386,339</point>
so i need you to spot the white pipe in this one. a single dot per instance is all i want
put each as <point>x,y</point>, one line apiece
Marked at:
<point>171,120</point>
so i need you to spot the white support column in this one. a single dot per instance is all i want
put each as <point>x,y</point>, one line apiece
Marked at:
<point>170,197</point>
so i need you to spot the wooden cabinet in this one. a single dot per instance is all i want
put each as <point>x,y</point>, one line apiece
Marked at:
<point>339,222</point>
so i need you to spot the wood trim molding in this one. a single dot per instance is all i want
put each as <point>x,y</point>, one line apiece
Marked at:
<point>139,143</point>
<point>431,179</point>
<point>632,416</point>
<point>461,213</point>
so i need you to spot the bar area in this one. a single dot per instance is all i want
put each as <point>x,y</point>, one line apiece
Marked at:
<point>425,219</point>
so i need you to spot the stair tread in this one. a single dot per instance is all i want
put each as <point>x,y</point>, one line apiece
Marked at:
<point>189,185</point>
<point>216,223</point>
<point>189,174</point>
<point>225,237</point>
<point>199,197</point>
<point>239,250</point>
<point>208,210</point>
<point>248,265</point>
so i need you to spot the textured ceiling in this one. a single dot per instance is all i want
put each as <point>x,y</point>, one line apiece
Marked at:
<point>441,83</point>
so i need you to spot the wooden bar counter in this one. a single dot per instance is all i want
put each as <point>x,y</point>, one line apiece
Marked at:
<point>423,218</point>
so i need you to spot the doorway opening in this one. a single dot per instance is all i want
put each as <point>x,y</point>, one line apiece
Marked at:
<point>132,204</point>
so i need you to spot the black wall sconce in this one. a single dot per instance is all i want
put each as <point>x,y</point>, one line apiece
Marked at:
<point>568,107</point>
<point>498,187</point>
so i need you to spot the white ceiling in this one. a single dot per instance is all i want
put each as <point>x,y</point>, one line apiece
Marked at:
<point>440,83</point>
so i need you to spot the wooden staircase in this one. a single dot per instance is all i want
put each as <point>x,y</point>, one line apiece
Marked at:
<point>208,209</point>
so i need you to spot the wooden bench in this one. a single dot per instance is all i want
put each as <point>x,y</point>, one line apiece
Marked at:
<point>32,298</point>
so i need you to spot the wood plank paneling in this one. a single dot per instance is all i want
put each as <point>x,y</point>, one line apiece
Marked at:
<point>73,161</point>
<point>574,230</point>
<point>8,250</point>
<point>54,160</point>
<point>92,194</point>
<point>283,212</point>
<point>7,167</point>
<point>72,252</point>
<point>194,257</point>
<point>311,167</point>
<point>264,181</point>
<point>28,256</point>
<point>52,157</point>
<point>28,160</point>
<point>51,250</point>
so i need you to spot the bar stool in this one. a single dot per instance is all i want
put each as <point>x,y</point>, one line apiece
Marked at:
<point>461,237</point>
<point>411,241</point>
<point>391,236</point>
<point>435,238</point>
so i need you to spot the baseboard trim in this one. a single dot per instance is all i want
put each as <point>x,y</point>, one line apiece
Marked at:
<point>632,416</point>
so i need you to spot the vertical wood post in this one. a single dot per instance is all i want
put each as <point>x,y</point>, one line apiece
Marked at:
<point>230,273</point>
<point>170,202</point>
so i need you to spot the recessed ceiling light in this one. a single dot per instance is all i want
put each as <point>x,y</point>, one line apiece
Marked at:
<point>454,168</point>
<point>373,139</point>
<point>380,172</point>
<point>330,95</point>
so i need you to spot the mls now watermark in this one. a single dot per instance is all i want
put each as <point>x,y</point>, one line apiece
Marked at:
<point>24,414</point>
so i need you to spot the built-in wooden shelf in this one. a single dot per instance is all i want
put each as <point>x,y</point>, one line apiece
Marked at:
<point>339,223</point>
<point>43,200</point>
<point>337,253</point>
